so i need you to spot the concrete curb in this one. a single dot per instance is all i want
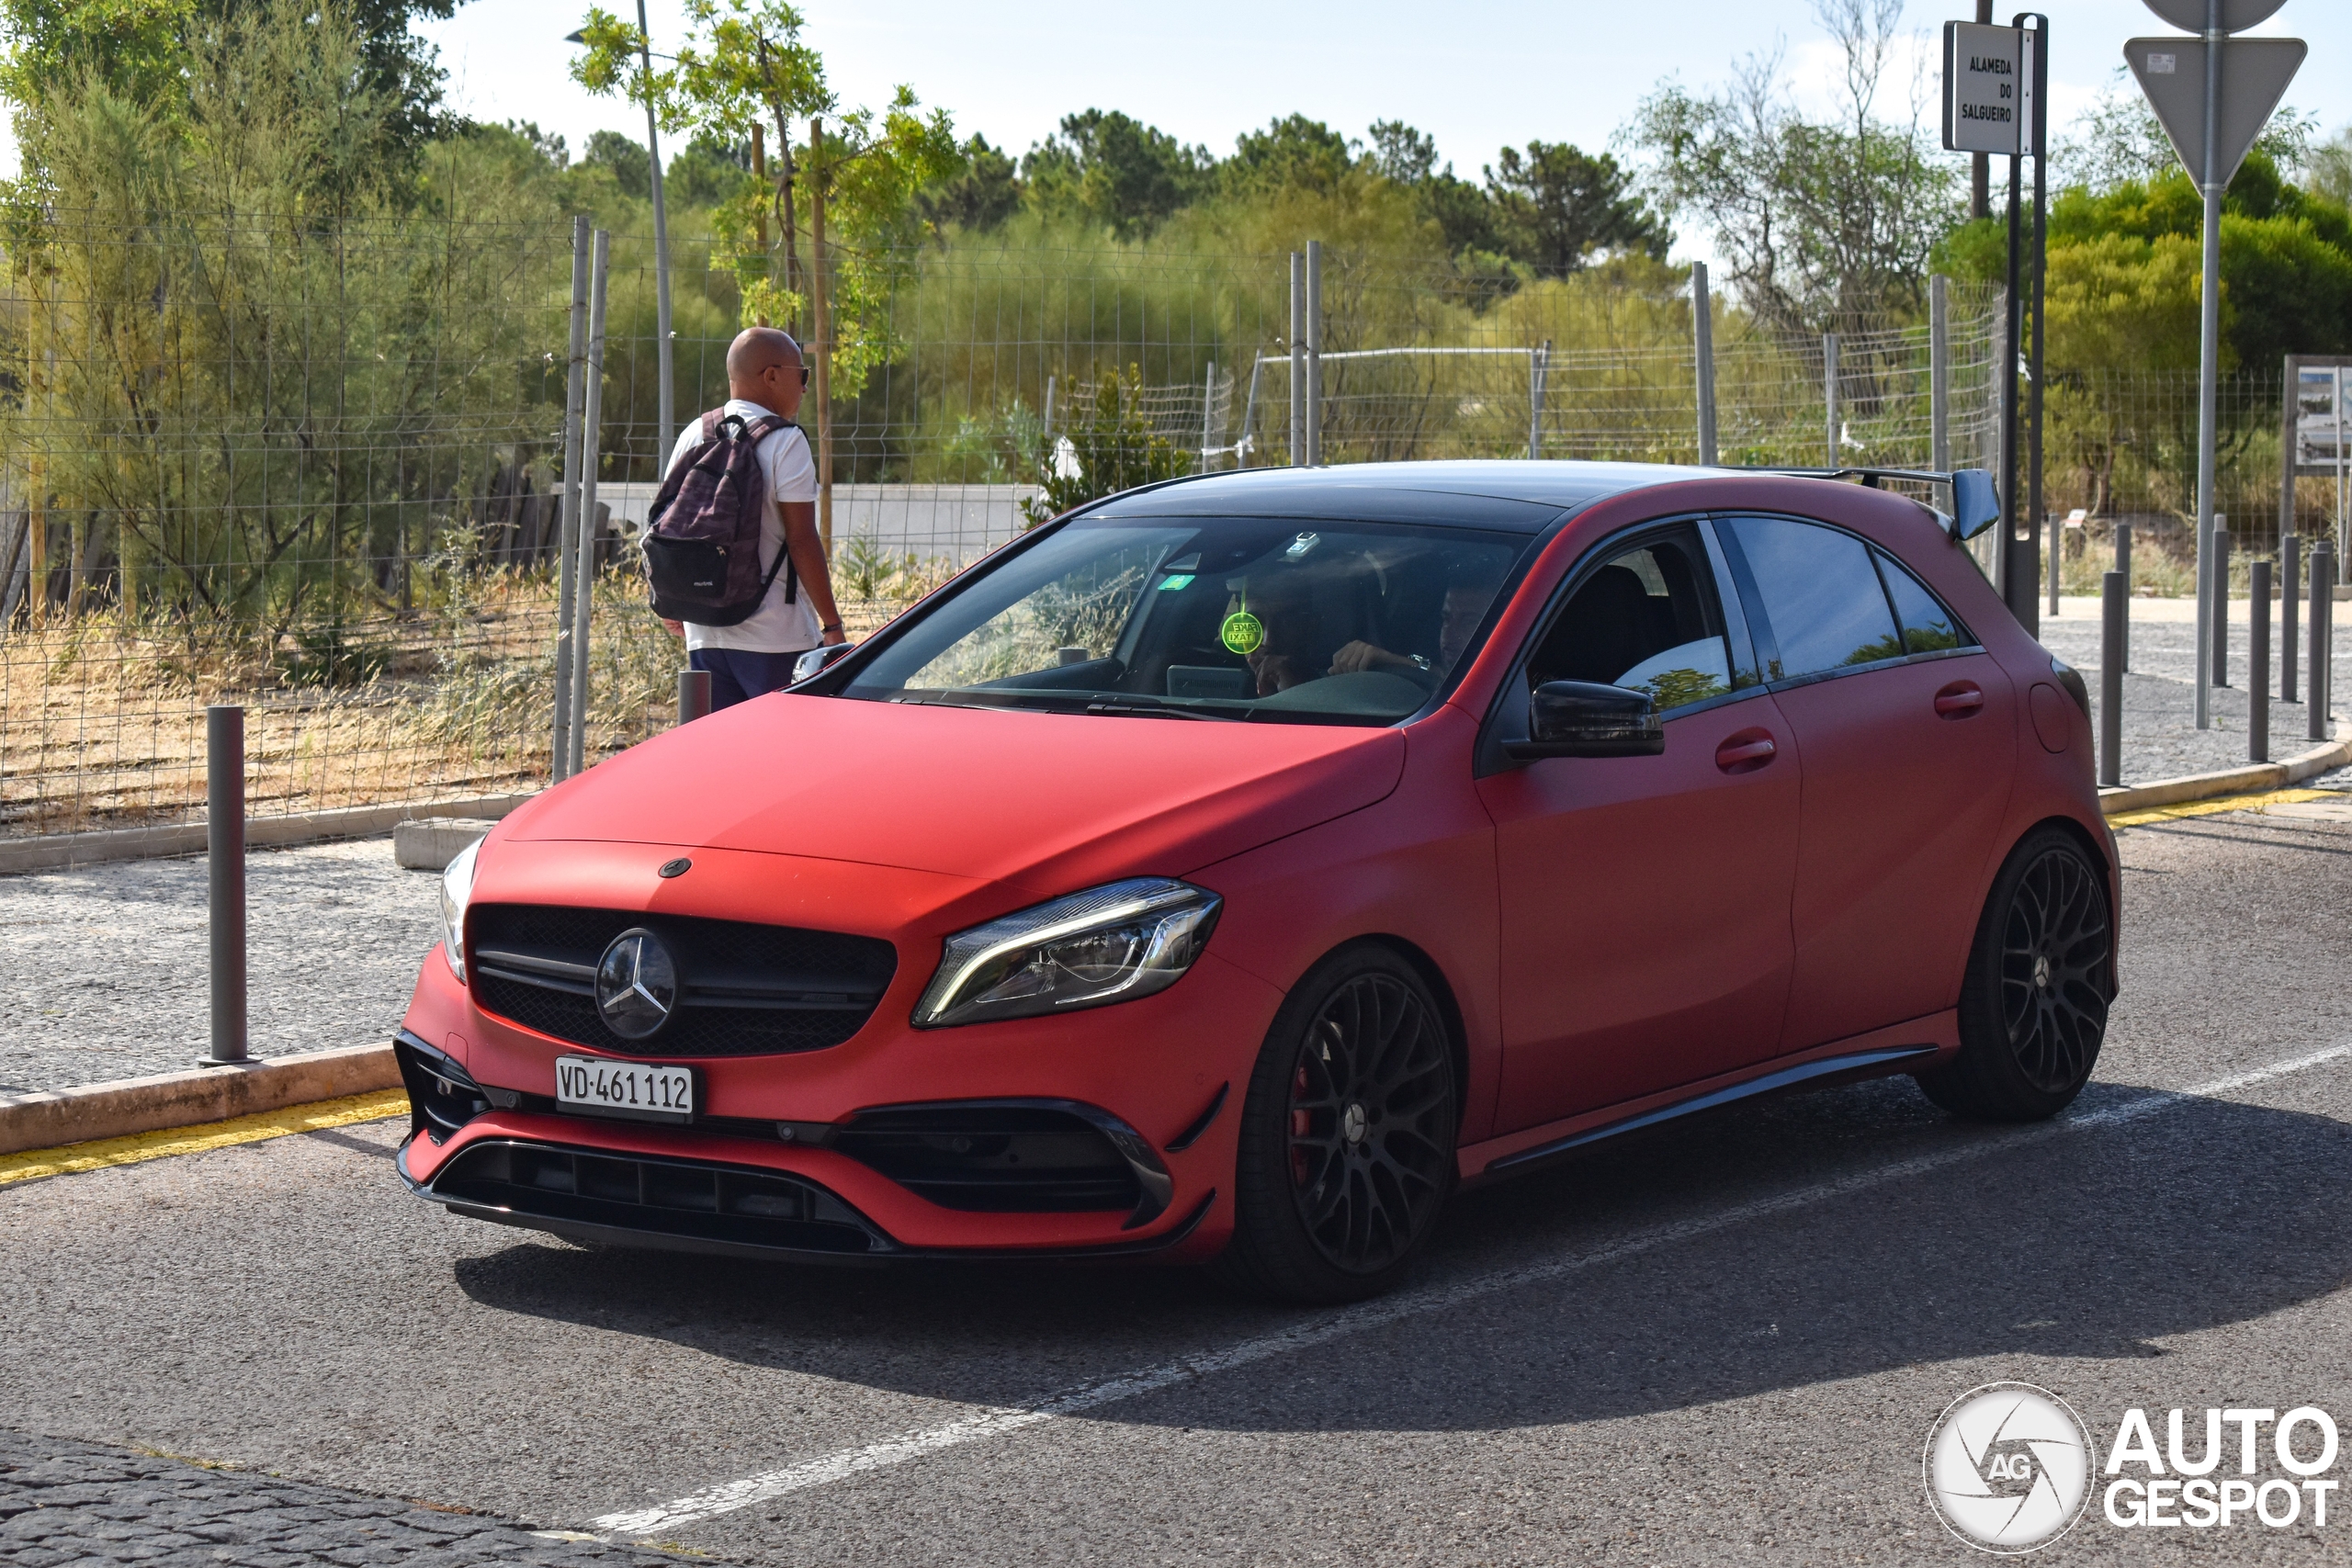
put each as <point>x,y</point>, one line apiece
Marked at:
<point>2252,779</point>
<point>185,1100</point>
<point>56,852</point>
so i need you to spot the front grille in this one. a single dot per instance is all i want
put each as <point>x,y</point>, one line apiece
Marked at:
<point>680,1198</point>
<point>997,1158</point>
<point>745,990</point>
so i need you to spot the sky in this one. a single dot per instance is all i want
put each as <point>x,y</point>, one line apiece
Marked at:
<point>1476,75</point>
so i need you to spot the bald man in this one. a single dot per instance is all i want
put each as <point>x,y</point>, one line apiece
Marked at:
<point>765,375</point>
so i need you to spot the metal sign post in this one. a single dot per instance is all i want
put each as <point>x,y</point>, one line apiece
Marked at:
<point>2213,94</point>
<point>1995,82</point>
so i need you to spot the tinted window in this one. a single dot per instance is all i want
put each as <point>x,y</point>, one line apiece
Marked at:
<point>1648,620</point>
<point>1927,625</point>
<point>1245,617</point>
<point>1820,593</point>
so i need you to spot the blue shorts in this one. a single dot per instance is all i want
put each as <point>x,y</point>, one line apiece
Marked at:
<point>737,676</point>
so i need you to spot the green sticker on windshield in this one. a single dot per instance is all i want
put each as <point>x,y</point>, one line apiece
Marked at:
<point>1243,632</point>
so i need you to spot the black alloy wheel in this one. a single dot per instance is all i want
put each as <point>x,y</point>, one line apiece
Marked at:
<point>1348,1141</point>
<point>2033,1006</point>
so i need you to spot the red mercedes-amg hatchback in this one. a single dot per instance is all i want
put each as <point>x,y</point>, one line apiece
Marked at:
<point>1232,868</point>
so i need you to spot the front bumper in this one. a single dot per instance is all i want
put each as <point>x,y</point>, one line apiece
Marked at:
<point>839,1136</point>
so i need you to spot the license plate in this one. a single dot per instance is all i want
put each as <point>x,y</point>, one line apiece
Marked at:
<point>640,1091</point>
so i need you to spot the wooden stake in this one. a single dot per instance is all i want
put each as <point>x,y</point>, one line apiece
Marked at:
<point>821,320</point>
<point>760,172</point>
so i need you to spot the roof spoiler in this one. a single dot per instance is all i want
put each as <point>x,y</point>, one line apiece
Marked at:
<point>1975,504</point>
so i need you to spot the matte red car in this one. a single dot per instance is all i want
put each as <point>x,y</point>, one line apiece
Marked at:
<point>1233,868</point>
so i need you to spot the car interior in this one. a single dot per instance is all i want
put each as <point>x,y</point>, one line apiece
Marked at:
<point>1646,620</point>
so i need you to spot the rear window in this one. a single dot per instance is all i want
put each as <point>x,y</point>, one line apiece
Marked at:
<point>1822,595</point>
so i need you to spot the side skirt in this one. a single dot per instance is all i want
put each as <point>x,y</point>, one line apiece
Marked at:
<point>1903,1048</point>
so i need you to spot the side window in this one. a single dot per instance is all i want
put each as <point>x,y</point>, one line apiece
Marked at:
<point>1648,620</point>
<point>1927,627</point>
<point>1821,594</point>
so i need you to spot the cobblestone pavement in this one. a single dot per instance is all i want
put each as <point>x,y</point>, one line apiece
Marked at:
<point>64,1503</point>
<point>103,971</point>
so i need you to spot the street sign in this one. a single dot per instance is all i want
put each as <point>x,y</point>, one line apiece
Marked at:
<point>2237,16</point>
<point>2255,74</point>
<point>1988,90</point>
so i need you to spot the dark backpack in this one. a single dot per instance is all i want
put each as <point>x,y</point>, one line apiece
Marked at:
<point>702,541</point>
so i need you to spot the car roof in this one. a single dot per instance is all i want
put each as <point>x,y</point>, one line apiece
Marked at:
<point>1518,496</point>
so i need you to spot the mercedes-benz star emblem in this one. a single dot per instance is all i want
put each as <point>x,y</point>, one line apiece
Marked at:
<point>636,984</point>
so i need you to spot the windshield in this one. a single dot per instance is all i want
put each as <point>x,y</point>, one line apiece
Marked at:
<point>1241,617</point>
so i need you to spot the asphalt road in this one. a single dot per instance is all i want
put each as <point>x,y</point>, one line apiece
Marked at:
<point>1725,1343</point>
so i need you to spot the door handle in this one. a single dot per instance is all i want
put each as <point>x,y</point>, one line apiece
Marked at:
<point>1961,699</point>
<point>1745,751</point>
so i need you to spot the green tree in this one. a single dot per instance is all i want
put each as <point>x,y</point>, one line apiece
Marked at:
<point>1816,220</point>
<point>986,194</point>
<point>1106,446</point>
<point>1292,154</point>
<point>1462,210</point>
<point>1112,169</point>
<point>1556,205</point>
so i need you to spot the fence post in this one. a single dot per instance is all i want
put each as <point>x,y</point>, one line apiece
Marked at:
<point>1940,373</point>
<point>2322,610</point>
<point>693,694</point>
<point>1538,364</point>
<point>2258,666</point>
<point>1703,326</point>
<point>1297,360</point>
<point>2123,565</point>
<point>2114,600</point>
<point>2290,556</point>
<point>2220,601</point>
<point>567,509</point>
<point>1314,354</point>
<point>2057,540</point>
<point>592,419</point>
<point>224,825</point>
<point>1830,390</point>
<point>1208,415</point>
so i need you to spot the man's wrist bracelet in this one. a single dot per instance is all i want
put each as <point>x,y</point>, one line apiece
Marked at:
<point>830,626</point>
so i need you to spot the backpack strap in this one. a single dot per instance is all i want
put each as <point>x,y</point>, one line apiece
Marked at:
<point>756,431</point>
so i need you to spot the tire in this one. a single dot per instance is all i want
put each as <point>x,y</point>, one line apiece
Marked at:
<point>1347,1136</point>
<point>2041,976</point>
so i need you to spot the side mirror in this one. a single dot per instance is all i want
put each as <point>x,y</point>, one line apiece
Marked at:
<point>1584,718</point>
<point>1975,505</point>
<point>814,662</point>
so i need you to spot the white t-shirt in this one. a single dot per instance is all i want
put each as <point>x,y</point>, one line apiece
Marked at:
<point>776,626</point>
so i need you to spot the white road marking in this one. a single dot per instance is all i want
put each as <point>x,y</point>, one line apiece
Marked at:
<point>998,1421</point>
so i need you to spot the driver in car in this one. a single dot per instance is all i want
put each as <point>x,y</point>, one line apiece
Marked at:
<point>1466,603</point>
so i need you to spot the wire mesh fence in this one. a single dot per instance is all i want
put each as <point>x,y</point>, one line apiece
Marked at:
<point>316,468</point>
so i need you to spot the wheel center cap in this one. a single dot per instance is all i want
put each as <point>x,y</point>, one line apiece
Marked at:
<point>2041,971</point>
<point>1353,1123</point>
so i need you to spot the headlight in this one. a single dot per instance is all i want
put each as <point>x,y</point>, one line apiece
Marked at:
<point>1108,944</point>
<point>457,886</point>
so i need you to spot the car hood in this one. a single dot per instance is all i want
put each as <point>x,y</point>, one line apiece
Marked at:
<point>1047,801</point>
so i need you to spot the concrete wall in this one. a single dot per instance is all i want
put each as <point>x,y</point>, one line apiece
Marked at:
<point>960,522</point>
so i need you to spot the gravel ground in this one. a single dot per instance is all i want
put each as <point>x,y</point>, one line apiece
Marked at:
<point>67,1502</point>
<point>2160,737</point>
<point>103,970</point>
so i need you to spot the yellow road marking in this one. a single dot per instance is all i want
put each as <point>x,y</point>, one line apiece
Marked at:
<point>100,1153</point>
<point>2214,808</point>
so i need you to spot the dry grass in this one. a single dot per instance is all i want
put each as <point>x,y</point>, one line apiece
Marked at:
<point>102,723</point>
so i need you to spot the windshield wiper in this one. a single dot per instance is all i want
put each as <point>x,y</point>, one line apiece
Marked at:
<point>1130,707</point>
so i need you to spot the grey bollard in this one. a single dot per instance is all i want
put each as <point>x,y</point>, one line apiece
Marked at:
<point>2257,664</point>
<point>2114,603</point>
<point>224,821</point>
<point>693,694</point>
<point>2221,606</point>
<point>2290,580</point>
<point>2323,611</point>
<point>2123,565</point>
